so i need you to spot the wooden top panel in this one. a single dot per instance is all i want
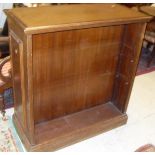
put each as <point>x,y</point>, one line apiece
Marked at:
<point>150,10</point>
<point>62,17</point>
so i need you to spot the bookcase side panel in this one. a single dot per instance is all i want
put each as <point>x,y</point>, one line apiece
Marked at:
<point>20,45</point>
<point>127,66</point>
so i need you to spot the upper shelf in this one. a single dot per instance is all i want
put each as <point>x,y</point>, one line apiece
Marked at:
<point>65,17</point>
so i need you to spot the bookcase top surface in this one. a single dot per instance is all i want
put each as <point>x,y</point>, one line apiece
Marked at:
<point>72,16</point>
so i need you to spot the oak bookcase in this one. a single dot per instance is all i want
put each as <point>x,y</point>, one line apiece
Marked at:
<point>73,70</point>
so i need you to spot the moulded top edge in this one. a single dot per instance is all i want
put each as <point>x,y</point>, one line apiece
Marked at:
<point>61,17</point>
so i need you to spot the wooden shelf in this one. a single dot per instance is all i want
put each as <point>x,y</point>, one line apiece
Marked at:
<point>77,126</point>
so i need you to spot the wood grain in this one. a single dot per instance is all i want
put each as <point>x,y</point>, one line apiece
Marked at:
<point>23,44</point>
<point>74,75</point>
<point>65,17</point>
<point>75,121</point>
<point>128,61</point>
<point>19,98</point>
<point>74,67</point>
<point>72,129</point>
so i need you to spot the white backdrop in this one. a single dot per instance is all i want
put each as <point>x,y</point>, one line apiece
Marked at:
<point>2,15</point>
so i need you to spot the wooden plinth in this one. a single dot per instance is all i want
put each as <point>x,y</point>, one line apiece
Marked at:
<point>64,131</point>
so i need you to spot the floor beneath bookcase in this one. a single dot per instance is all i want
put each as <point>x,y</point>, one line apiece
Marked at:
<point>139,130</point>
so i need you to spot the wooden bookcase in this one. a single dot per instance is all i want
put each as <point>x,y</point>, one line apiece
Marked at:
<point>73,70</point>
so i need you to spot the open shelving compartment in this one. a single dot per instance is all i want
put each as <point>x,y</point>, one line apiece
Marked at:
<point>96,99</point>
<point>69,128</point>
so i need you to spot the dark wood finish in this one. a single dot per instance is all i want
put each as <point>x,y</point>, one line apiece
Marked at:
<point>23,46</point>
<point>73,128</point>
<point>62,17</point>
<point>72,75</point>
<point>82,75</point>
<point>128,60</point>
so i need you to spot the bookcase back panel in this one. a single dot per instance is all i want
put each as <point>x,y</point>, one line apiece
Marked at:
<point>74,69</point>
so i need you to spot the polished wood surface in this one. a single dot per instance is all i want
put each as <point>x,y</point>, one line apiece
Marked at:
<point>16,50</point>
<point>63,17</point>
<point>128,60</point>
<point>75,121</point>
<point>150,10</point>
<point>73,128</point>
<point>82,74</point>
<point>21,62</point>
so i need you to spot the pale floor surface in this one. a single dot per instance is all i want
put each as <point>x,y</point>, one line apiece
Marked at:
<point>139,130</point>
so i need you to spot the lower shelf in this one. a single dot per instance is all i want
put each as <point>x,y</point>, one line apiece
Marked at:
<point>64,131</point>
